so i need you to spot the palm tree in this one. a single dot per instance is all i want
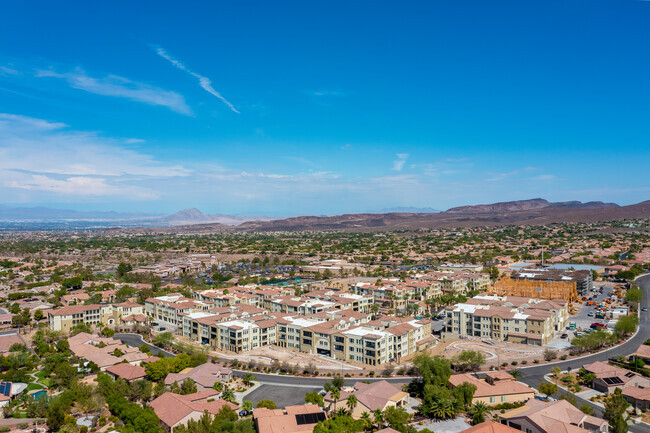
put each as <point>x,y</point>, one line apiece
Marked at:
<point>352,402</point>
<point>367,422</point>
<point>515,373</point>
<point>336,394</point>
<point>443,409</point>
<point>379,417</point>
<point>478,412</point>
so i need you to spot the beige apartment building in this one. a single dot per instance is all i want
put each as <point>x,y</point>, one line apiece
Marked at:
<point>64,319</point>
<point>528,322</point>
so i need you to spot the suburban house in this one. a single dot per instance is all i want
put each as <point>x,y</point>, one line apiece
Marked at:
<point>370,397</point>
<point>610,377</point>
<point>127,372</point>
<point>8,340</point>
<point>205,375</point>
<point>490,427</point>
<point>104,352</point>
<point>297,419</point>
<point>637,397</point>
<point>175,409</point>
<point>499,387</point>
<point>552,417</point>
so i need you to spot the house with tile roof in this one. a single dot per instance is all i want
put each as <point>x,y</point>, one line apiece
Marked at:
<point>370,397</point>
<point>294,419</point>
<point>499,389</point>
<point>609,377</point>
<point>552,417</point>
<point>490,427</point>
<point>204,375</point>
<point>175,409</point>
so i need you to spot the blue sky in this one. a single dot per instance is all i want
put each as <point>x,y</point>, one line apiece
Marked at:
<point>322,107</point>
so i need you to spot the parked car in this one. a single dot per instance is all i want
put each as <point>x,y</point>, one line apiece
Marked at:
<point>644,309</point>
<point>590,314</point>
<point>564,336</point>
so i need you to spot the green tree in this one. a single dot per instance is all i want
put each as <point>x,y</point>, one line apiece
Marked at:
<point>548,388</point>
<point>123,269</point>
<point>339,424</point>
<point>269,404</point>
<point>247,405</point>
<point>626,325</point>
<point>468,360</point>
<point>188,387</point>
<point>615,412</point>
<point>248,378</point>
<point>352,402</point>
<point>38,315</point>
<point>478,411</point>
<point>315,398</point>
<point>633,295</point>
<point>164,339</point>
<point>586,409</point>
<point>397,418</point>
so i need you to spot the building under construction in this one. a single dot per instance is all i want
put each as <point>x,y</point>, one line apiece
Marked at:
<point>545,284</point>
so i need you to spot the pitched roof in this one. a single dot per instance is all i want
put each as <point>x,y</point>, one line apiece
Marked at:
<point>275,421</point>
<point>127,371</point>
<point>489,427</point>
<point>172,408</point>
<point>484,389</point>
<point>205,374</point>
<point>375,395</point>
<point>558,417</point>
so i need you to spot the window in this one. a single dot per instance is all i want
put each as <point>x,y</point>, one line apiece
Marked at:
<point>503,398</point>
<point>491,399</point>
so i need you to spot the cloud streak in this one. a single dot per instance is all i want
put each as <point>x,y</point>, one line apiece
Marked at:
<point>204,82</point>
<point>398,164</point>
<point>120,87</point>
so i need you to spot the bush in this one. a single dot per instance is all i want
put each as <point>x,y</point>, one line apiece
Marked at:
<point>4,429</point>
<point>536,361</point>
<point>514,363</point>
<point>371,373</point>
<point>563,357</point>
<point>23,425</point>
<point>524,362</point>
<point>347,375</point>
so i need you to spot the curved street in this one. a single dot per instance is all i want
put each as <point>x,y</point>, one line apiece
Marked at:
<point>291,389</point>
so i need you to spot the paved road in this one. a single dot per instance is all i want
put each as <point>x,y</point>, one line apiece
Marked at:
<point>135,340</point>
<point>534,375</point>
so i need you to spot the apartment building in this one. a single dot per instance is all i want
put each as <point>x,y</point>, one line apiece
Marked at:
<point>64,319</point>
<point>172,307</point>
<point>500,320</point>
<point>545,284</point>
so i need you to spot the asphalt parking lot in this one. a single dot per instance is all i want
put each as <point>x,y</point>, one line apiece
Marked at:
<point>583,319</point>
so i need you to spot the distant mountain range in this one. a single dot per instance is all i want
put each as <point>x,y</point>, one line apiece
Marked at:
<point>40,213</point>
<point>532,204</point>
<point>532,212</point>
<point>407,209</point>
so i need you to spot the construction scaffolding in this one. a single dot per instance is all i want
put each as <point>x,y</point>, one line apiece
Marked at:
<point>541,289</point>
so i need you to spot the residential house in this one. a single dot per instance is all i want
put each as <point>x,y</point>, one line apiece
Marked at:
<point>609,377</point>
<point>294,419</point>
<point>205,375</point>
<point>497,389</point>
<point>370,397</point>
<point>552,417</point>
<point>174,409</point>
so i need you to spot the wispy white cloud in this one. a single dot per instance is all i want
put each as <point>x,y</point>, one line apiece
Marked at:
<point>545,178</point>
<point>398,164</point>
<point>77,186</point>
<point>120,87</point>
<point>7,70</point>
<point>204,82</point>
<point>496,177</point>
<point>38,155</point>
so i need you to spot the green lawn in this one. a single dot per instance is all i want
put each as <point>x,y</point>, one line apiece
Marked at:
<point>33,386</point>
<point>41,374</point>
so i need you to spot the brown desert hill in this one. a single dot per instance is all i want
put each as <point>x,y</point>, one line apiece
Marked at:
<point>533,212</point>
<point>528,205</point>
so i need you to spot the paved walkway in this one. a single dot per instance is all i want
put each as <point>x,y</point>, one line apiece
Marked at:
<point>450,426</point>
